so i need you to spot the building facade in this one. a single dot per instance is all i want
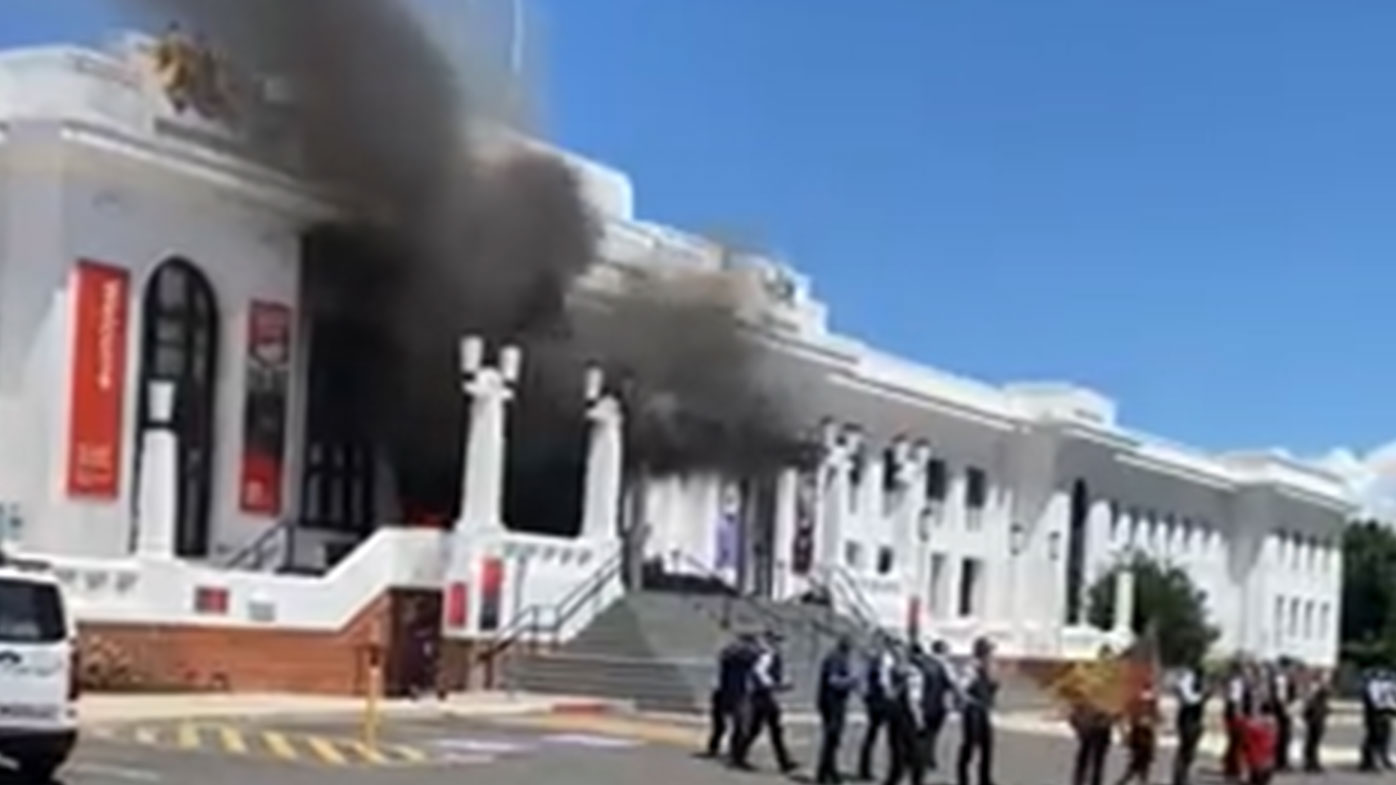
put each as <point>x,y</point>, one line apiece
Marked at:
<point>157,395</point>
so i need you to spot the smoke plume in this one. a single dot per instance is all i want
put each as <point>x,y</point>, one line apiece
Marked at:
<point>443,239</point>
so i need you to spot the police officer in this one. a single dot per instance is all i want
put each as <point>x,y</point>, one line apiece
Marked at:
<point>836,681</point>
<point>905,721</point>
<point>1315,722</point>
<point>877,692</point>
<point>1191,702</point>
<point>1281,698</point>
<point>767,680</point>
<point>733,670</point>
<point>937,687</point>
<point>979,693</point>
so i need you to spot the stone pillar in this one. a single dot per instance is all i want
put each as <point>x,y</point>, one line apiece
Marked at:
<point>833,497</point>
<point>601,508</point>
<point>482,484</point>
<point>917,525</point>
<point>490,389</point>
<point>1124,605</point>
<point>157,506</point>
<point>783,579</point>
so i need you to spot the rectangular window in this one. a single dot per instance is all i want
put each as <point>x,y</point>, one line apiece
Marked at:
<point>976,488</point>
<point>1294,617</point>
<point>1323,620</point>
<point>937,479</point>
<point>886,559</point>
<point>891,490</point>
<point>1279,621</point>
<point>937,588</point>
<point>1309,619</point>
<point>970,579</point>
<point>853,555</point>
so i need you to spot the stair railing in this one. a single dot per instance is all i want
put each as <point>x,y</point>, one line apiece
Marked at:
<point>734,596</point>
<point>534,622</point>
<point>842,585</point>
<point>278,540</point>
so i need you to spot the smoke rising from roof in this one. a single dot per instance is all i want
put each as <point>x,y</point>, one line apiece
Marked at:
<point>449,241</point>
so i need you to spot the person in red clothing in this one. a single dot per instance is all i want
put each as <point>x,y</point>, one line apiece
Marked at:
<point>1258,737</point>
<point>1141,733</point>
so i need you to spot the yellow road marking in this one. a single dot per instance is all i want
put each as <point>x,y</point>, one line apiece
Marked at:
<point>408,754</point>
<point>279,745</point>
<point>188,736</point>
<point>232,740</point>
<point>326,750</point>
<point>370,754</point>
<point>146,736</point>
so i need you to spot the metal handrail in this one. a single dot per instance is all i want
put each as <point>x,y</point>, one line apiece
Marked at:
<point>840,581</point>
<point>256,551</point>
<point>529,618</point>
<point>734,594</point>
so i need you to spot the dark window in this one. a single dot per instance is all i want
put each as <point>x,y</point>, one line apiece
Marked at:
<point>936,480</point>
<point>976,488</point>
<point>886,557</point>
<point>30,613</point>
<point>969,586</point>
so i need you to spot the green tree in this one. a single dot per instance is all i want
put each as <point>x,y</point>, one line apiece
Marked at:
<point>1369,594</point>
<point>1164,596</point>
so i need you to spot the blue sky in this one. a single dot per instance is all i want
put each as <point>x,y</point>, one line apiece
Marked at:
<point>1189,205</point>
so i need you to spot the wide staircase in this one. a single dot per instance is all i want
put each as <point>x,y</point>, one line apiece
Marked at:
<point>658,649</point>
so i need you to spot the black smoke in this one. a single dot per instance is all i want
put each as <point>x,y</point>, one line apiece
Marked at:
<point>443,236</point>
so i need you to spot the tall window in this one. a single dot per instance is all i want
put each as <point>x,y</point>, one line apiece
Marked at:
<point>970,579</point>
<point>937,592</point>
<point>179,345</point>
<point>936,480</point>
<point>890,491</point>
<point>1076,551</point>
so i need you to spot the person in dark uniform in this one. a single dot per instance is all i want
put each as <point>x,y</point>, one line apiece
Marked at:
<point>1192,700</point>
<point>1376,721</point>
<point>733,670</point>
<point>978,696</point>
<point>1315,722</point>
<point>767,680</point>
<point>836,681</point>
<point>905,721</point>
<point>1281,699</point>
<point>877,687</point>
<point>937,687</point>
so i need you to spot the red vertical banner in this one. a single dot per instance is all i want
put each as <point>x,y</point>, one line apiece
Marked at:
<point>264,408</point>
<point>100,297</point>
<point>457,605</point>
<point>491,587</point>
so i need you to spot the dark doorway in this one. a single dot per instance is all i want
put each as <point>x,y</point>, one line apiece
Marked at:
<point>1076,552</point>
<point>179,344</point>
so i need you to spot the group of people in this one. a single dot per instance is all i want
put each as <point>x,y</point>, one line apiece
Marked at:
<point>1378,706</point>
<point>908,692</point>
<point>1259,707</point>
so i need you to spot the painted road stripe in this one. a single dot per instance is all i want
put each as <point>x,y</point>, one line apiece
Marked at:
<point>326,750</point>
<point>188,737</point>
<point>233,740</point>
<point>108,771</point>
<point>482,746</point>
<point>145,735</point>
<point>593,741</point>
<point>408,754</point>
<point>370,754</point>
<point>279,745</point>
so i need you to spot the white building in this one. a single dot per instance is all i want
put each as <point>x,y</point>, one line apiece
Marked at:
<point>141,257</point>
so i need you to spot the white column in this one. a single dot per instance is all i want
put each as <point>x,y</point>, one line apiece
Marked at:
<point>915,541</point>
<point>601,509</point>
<point>833,507</point>
<point>1098,550</point>
<point>783,578</point>
<point>482,488</point>
<point>1124,605</point>
<point>158,493</point>
<point>482,485</point>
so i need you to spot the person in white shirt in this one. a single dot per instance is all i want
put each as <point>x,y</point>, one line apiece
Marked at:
<point>1192,699</point>
<point>767,680</point>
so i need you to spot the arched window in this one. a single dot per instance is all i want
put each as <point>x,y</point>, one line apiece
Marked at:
<point>179,344</point>
<point>1076,552</point>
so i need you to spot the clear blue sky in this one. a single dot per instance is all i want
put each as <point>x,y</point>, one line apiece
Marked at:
<point>1189,205</point>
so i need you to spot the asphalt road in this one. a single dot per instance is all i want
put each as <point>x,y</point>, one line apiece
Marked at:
<point>562,749</point>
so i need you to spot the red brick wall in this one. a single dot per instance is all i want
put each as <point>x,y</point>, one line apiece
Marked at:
<point>244,659</point>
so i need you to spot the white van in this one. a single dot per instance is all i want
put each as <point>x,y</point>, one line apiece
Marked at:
<point>38,675</point>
